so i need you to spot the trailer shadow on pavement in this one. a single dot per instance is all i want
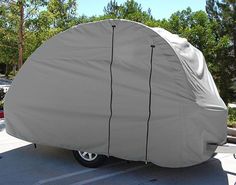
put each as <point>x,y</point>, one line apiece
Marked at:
<point>49,165</point>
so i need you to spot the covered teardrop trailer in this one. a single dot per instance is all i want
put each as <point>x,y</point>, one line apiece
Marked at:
<point>119,88</point>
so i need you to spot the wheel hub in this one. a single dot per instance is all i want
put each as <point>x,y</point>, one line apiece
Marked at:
<point>88,156</point>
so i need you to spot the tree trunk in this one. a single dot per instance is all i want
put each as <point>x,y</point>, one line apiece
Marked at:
<point>234,38</point>
<point>6,70</point>
<point>14,69</point>
<point>21,34</point>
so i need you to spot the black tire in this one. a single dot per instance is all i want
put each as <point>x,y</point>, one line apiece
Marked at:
<point>94,162</point>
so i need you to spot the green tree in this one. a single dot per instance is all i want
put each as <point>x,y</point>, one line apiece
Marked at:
<point>63,12</point>
<point>58,16</point>
<point>222,15</point>
<point>130,10</point>
<point>112,9</point>
<point>25,24</point>
<point>8,34</point>
<point>13,15</point>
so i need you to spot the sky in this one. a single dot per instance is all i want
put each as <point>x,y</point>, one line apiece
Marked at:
<point>160,8</point>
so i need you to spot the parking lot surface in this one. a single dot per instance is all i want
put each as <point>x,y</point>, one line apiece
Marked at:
<point>21,163</point>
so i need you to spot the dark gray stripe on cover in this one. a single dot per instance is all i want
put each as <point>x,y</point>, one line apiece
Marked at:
<point>111,85</point>
<point>150,100</point>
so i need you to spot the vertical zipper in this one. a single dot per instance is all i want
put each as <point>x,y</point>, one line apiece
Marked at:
<point>111,86</point>
<point>149,106</point>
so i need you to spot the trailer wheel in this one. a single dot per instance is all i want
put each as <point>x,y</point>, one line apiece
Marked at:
<point>90,160</point>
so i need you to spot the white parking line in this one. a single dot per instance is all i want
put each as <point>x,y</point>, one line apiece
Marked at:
<point>63,176</point>
<point>74,173</point>
<point>108,175</point>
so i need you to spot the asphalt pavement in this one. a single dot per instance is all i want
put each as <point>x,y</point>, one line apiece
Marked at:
<point>22,164</point>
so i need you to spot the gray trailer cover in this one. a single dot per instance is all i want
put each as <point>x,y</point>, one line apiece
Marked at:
<point>119,88</point>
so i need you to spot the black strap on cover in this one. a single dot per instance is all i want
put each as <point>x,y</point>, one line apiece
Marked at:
<point>150,100</point>
<point>111,85</point>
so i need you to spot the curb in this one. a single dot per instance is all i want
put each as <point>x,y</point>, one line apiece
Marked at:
<point>231,131</point>
<point>231,139</point>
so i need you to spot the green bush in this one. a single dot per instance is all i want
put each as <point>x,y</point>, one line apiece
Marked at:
<point>231,117</point>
